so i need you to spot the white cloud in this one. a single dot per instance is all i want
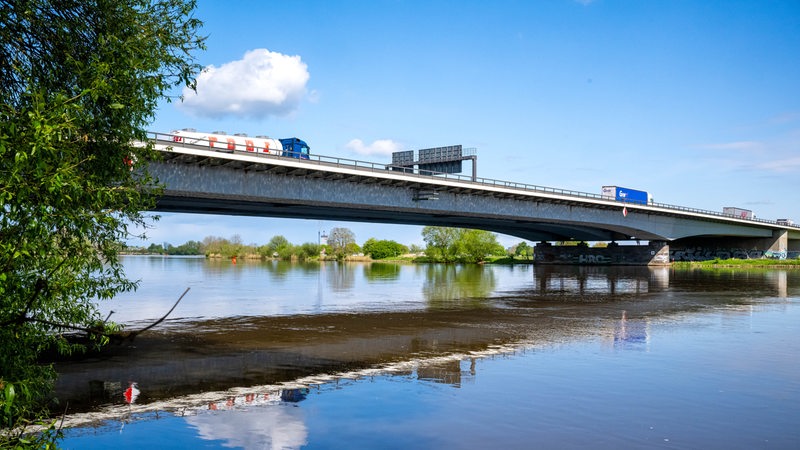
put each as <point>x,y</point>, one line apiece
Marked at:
<point>262,83</point>
<point>745,146</point>
<point>379,147</point>
<point>783,165</point>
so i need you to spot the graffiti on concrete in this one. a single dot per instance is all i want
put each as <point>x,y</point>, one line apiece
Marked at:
<point>593,259</point>
<point>775,255</point>
<point>705,254</point>
<point>614,254</point>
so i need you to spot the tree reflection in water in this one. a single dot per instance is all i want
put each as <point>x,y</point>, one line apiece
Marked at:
<point>455,285</point>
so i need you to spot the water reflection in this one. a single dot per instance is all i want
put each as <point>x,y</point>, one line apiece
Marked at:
<point>377,271</point>
<point>341,277</point>
<point>588,280</point>
<point>314,321</point>
<point>447,372</point>
<point>741,283</point>
<point>268,420</point>
<point>452,285</point>
<point>631,334</point>
<point>254,421</point>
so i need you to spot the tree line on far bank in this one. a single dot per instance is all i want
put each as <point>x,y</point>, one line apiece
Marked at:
<point>443,244</point>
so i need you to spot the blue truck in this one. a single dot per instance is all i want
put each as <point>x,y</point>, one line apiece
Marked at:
<point>295,148</point>
<point>626,195</point>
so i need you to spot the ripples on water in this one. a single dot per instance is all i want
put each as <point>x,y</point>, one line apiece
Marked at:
<point>280,355</point>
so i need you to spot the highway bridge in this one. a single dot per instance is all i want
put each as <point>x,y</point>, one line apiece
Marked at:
<point>199,179</point>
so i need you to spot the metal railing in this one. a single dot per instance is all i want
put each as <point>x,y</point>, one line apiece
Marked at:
<point>335,161</point>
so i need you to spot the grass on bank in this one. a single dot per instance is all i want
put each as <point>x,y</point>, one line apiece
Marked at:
<point>740,263</point>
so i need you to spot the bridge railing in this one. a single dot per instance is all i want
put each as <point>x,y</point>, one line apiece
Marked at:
<point>335,161</point>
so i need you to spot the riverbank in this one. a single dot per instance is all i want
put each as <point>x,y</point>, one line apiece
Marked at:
<point>742,263</point>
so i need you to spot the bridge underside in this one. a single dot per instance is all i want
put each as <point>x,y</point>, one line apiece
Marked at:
<point>531,230</point>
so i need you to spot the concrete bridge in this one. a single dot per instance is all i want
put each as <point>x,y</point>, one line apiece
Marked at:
<point>202,180</point>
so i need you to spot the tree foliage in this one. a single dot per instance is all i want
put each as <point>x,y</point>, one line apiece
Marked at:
<point>278,244</point>
<point>308,250</point>
<point>476,245</point>
<point>79,82</point>
<point>187,248</point>
<point>442,243</point>
<point>454,244</point>
<point>383,249</point>
<point>523,250</point>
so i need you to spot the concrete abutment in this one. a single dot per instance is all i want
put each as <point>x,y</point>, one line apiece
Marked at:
<point>704,248</point>
<point>656,253</point>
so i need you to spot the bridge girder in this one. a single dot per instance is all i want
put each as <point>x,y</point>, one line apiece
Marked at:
<point>205,182</point>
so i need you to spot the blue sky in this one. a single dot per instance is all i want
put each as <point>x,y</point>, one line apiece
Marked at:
<point>697,103</point>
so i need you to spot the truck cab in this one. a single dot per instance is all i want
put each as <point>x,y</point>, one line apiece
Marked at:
<point>295,148</point>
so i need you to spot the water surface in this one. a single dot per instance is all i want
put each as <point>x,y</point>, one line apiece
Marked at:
<point>281,355</point>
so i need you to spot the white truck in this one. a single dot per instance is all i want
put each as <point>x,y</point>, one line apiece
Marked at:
<point>739,213</point>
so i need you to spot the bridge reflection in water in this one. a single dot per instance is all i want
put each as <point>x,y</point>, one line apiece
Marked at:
<point>222,361</point>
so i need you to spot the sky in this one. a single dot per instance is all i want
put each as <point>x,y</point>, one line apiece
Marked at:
<point>697,103</point>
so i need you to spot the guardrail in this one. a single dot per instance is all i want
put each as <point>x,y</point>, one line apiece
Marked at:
<point>334,161</point>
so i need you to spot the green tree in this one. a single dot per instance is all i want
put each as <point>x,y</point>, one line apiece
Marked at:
<point>79,82</point>
<point>442,243</point>
<point>523,250</point>
<point>212,245</point>
<point>309,250</point>
<point>187,248</point>
<point>352,248</point>
<point>383,249</point>
<point>341,242</point>
<point>287,251</point>
<point>476,245</point>
<point>277,244</point>
<point>232,247</point>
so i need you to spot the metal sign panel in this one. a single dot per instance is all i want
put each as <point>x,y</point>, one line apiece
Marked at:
<point>442,167</point>
<point>439,154</point>
<point>405,158</point>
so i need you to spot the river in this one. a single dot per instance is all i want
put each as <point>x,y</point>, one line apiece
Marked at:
<point>378,355</point>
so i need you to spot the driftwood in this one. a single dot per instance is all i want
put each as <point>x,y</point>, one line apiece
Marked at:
<point>120,337</point>
<point>116,337</point>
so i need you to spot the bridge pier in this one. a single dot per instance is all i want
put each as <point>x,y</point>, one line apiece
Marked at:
<point>656,253</point>
<point>704,248</point>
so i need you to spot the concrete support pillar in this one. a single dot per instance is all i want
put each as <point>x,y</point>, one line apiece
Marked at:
<point>779,245</point>
<point>659,252</point>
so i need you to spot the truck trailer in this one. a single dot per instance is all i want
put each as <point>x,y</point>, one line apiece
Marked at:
<point>737,212</point>
<point>221,141</point>
<point>626,195</point>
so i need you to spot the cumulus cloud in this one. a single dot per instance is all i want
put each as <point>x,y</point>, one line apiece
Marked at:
<point>379,147</point>
<point>262,83</point>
